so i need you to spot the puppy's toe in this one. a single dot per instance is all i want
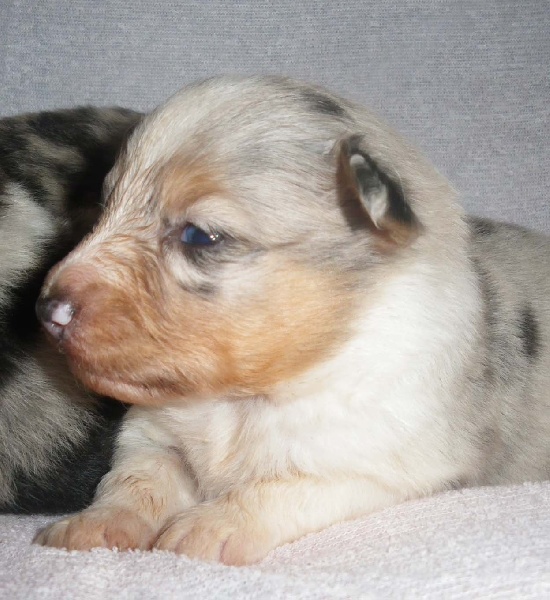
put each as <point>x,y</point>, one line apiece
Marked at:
<point>99,528</point>
<point>53,535</point>
<point>247,547</point>
<point>212,533</point>
<point>196,535</point>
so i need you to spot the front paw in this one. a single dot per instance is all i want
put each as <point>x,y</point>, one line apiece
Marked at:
<point>219,532</point>
<point>99,528</point>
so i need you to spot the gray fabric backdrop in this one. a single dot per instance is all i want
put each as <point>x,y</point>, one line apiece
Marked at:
<point>468,80</point>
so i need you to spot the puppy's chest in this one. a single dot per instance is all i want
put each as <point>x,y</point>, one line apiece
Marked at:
<point>232,443</point>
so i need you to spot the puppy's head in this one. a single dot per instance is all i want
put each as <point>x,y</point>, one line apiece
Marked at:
<point>247,222</point>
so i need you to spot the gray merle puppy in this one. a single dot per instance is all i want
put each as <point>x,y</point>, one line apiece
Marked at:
<point>55,438</point>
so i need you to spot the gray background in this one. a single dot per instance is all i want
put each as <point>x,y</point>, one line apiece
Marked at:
<point>467,80</point>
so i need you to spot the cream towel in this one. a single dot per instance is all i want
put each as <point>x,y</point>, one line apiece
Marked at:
<point>476,543</point>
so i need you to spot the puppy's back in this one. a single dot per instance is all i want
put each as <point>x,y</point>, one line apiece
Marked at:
<point>513,269</point>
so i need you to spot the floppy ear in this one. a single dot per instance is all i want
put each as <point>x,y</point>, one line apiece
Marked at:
<point>380,199</point>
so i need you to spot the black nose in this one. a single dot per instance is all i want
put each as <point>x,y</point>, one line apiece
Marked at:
<point>54,315</point>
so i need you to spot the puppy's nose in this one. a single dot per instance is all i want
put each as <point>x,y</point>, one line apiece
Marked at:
<point>55,315</point>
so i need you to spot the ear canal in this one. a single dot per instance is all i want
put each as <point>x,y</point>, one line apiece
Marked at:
<point>381,199</point>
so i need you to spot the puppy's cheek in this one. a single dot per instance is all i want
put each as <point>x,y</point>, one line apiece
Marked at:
<point>99,528</point>
<point>299,321</point>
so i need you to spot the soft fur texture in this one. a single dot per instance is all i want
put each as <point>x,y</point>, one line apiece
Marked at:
<point>55,438</point>
<point>307,323</point>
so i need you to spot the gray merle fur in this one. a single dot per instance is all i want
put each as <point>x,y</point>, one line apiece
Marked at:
<point>56,439</point>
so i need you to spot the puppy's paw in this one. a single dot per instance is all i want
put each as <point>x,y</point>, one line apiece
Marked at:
<point>99,528</point>
<point>220,532</point>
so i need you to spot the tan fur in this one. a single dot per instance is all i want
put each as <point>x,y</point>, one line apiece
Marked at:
<point>181,183</point>
<point>302,304</point>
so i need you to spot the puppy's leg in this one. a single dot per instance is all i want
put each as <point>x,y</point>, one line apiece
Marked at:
<point>244,525</point>
<point>147,485</point>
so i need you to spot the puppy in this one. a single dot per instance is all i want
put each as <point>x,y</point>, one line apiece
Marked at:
<point>55,438</point>
<point>306,323</point>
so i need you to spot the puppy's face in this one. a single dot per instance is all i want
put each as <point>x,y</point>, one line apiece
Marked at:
<point>244,223</point>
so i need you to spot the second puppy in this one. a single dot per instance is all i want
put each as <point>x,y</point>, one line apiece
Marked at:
<point>307,324</point>
<point>55,438</point>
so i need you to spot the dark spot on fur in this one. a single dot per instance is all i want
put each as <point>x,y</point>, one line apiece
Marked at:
<point>8,363</point>
<point>504,356</point>
<point>529,332</point>
<point>97,141</point>
<point>482,226</point>
<point>321,103</point>
<point>4,204</point>
<point>18,321</point>
<point>94,139</point>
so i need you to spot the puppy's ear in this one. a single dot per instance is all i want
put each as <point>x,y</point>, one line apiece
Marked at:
<point>372,196</point>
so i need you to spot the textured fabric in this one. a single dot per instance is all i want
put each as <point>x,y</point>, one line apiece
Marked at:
<point>480,543</point>
<point>467,80</point>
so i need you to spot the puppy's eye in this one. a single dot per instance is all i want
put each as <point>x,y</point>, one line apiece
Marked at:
<point>195,236</point>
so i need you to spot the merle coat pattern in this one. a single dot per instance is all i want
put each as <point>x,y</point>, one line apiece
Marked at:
<point>55,438</point>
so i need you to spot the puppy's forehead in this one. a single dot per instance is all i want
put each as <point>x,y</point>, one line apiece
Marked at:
<point>227,117</point>
<point>255,137</point>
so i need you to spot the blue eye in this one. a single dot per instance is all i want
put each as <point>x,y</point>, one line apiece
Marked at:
<point>195,236</point>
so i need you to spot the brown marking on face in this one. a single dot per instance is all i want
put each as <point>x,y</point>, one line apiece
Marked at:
<point>183,181</point>
<point>143,339</point>
<point>301,316</point>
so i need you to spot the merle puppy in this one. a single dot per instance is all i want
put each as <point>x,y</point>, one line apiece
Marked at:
<point>308,327</point>
<point>55,438</point>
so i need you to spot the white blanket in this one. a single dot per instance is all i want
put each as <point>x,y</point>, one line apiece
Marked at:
<point>477,543</point>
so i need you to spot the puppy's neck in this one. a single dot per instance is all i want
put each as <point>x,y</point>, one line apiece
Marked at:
<point>421,322</point>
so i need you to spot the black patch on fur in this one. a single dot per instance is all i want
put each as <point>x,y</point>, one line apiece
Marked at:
<point>17,160</point>
<point>71,481</point>
<point>81,130</point>
<point>372,177</point>
<point>504,356</point>
<point>8,366</point>
<point>19,327</point>
<point>321,103</point>
<point>482,226</point>
<point>4,204</point>
<point>529,332</point>
<point>99,155</point>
